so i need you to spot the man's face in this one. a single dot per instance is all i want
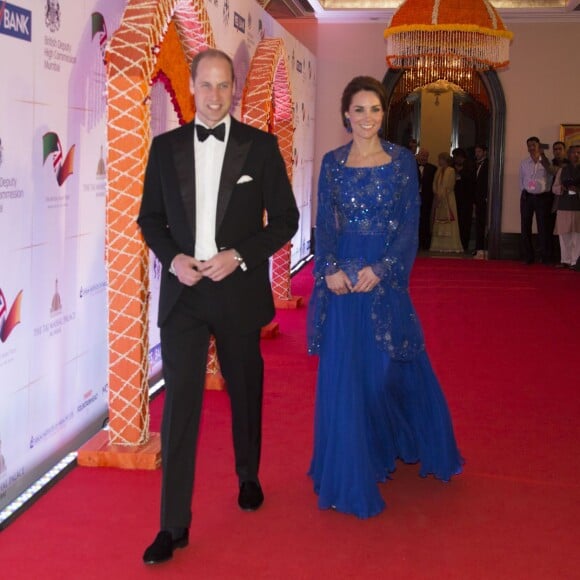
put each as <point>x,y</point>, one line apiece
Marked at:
<point>479,153</point>
<point>533,148</point>
<point>559,151</point>
<point>575,155</point>
<point>423,156</point>
<point>213,90</point>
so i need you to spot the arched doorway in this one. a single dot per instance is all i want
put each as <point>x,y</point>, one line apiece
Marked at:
<point>495,140</point>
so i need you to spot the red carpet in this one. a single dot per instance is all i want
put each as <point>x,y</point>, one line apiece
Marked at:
<point>504,340</point>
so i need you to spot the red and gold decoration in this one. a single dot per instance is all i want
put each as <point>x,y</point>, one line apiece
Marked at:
<point>447,35</point>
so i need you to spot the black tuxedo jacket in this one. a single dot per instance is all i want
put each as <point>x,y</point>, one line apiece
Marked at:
<point>426,181</point>
<point>481,180</point>
<point>167,216</point>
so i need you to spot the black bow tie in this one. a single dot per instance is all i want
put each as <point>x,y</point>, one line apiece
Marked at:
<point>218,132</point>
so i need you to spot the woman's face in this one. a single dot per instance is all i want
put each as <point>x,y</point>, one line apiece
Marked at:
<point>365,114</point>
<point>442,161</point>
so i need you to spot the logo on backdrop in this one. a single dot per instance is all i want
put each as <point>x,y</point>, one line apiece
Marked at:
<point>226,12</point>
<point>99,29</point>
<point>52,148</point>
<point>239,22</point>
<point>52,15</point>
<point>89,398</point>
<point>261,31</point>
<point>9,315</point>
<point>92,289</point>
<point>59,317</point>
<point>15,21</point>
<point>56,303</point>
<point>253,36</point>
<point>101,168</point>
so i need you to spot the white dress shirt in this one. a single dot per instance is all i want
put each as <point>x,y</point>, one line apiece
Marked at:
<point>209,159</point>
<point>533,176</point>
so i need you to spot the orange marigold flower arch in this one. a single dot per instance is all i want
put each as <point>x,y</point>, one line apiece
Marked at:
<point>156,37</point>
<point>156,41</point>
<point>267,105</point>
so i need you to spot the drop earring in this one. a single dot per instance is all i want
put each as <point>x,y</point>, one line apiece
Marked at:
<point>347,124</point>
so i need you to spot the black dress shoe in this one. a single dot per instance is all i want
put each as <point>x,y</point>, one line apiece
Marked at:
<point>251,496</point>
<point>162,548</point>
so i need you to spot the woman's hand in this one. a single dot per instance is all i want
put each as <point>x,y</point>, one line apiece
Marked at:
<point>339,283</point>
<point>367,280</point>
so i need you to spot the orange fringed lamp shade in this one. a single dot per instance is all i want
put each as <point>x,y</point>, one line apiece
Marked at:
<point>447,34</point>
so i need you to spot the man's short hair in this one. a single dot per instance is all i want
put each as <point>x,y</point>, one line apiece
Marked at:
<point>558,143</point>
<point>209,53</point>
<point>534,139</point>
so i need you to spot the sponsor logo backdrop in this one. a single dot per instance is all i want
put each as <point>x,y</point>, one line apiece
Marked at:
<point>53,327</point>
<point>53,290</point>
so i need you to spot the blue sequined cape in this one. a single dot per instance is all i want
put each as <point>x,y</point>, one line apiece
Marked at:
<point>379,204</point>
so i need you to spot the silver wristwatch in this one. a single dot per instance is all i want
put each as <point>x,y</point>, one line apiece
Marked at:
<point>240,261</point>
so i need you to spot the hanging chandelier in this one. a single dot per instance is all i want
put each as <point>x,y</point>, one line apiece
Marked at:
<point>447,35</point>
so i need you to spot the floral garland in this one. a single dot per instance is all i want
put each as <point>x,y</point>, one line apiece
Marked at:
<point>172,70</point>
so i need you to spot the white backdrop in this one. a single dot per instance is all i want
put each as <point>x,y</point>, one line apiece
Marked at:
<point>53,300</point>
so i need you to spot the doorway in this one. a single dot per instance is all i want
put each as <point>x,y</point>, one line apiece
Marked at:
<point>482,120</point>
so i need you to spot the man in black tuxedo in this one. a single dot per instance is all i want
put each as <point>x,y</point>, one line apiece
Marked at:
<point>464,194</point>
<point>207,185</point>
<point>426,174</point>
<point>480,199</point>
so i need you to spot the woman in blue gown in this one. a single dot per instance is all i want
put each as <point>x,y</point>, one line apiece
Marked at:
<point>377,397</point>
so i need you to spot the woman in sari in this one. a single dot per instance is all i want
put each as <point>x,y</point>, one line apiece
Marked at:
<point>445,236</point>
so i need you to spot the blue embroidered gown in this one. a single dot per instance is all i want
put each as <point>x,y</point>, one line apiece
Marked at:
<point>377,397</point>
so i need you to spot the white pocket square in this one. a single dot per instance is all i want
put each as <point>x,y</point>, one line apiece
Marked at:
<point>244,179</point>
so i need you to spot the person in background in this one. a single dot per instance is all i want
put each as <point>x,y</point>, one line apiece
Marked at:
<point>567,192</point>
<point>559,153</point>
<point>412,145</point>
<point>207,185</point>
<point>377,397</point>
<point>464,194</point>
<point>535,179</point>
<point>445,232</point>
<point>559,159</point>
<point>480,199</point>
<point>426,174</point>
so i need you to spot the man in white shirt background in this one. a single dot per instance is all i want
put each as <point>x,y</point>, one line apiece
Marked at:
<point>536,199</point>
